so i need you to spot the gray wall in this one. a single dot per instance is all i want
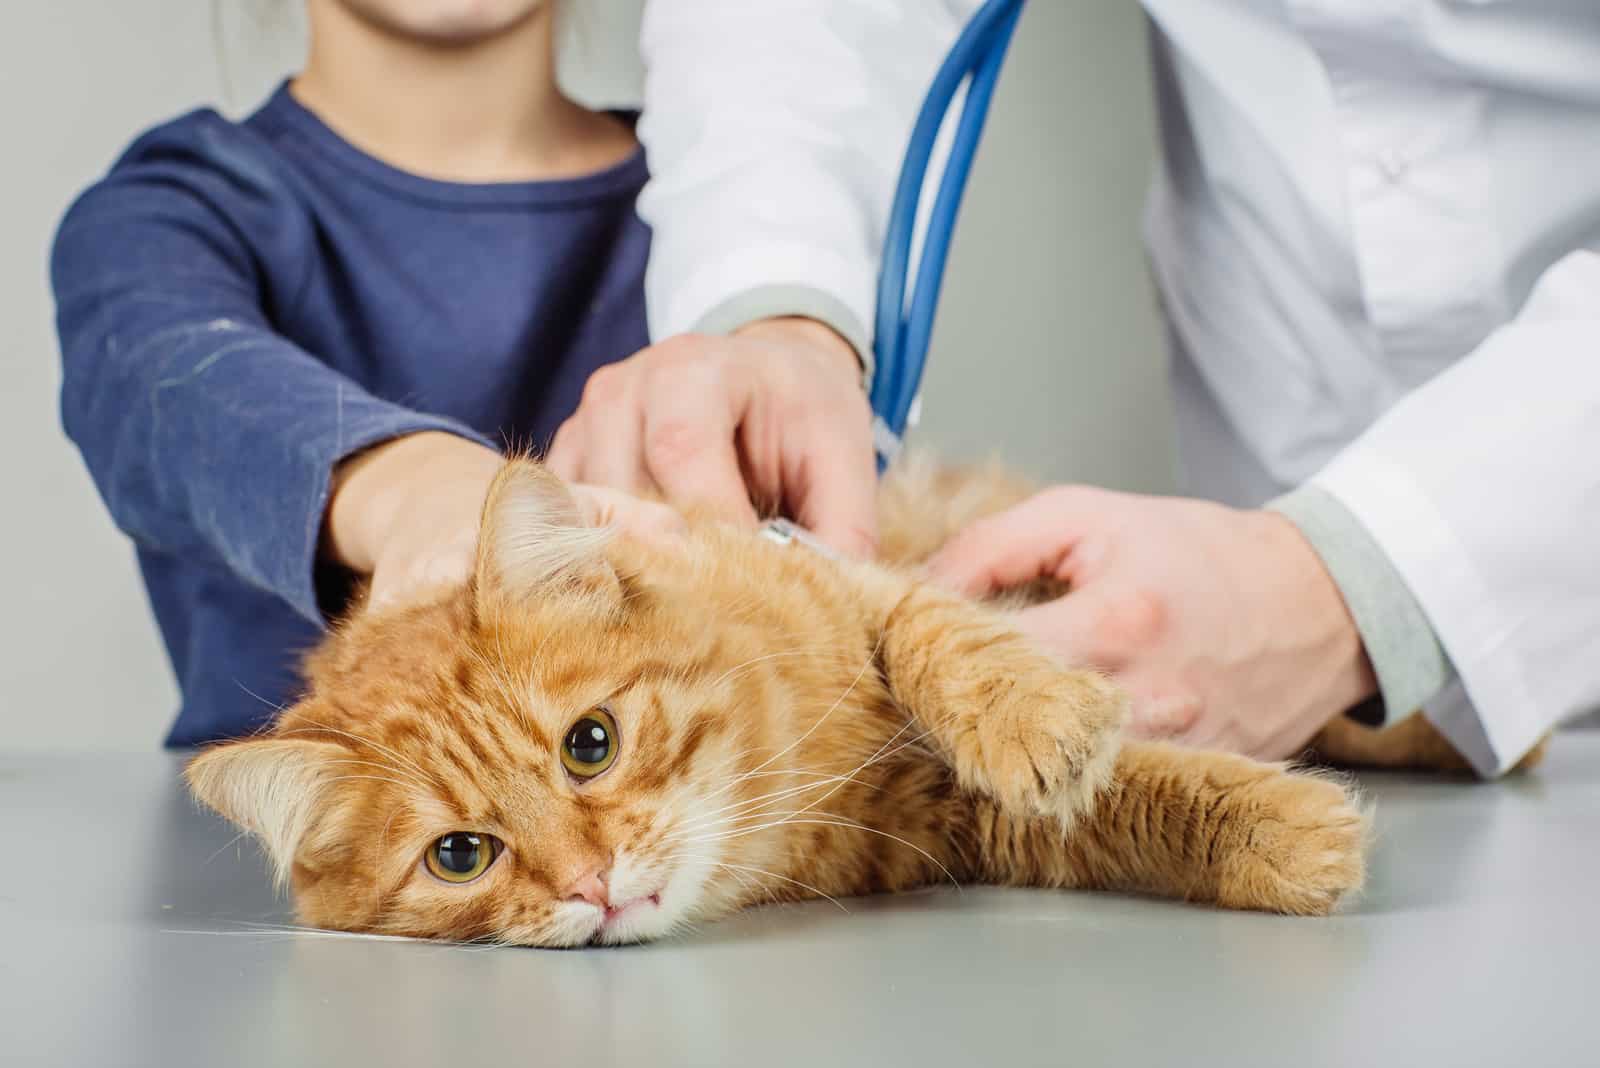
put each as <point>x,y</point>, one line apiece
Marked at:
<point>1048,347</point>
<point>1046,353</point>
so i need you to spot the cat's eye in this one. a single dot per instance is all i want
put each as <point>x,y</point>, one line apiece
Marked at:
<point>590,744</point>
<point>461,856</point>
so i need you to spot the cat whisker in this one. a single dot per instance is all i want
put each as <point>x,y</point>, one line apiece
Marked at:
<point>754,892</point>
<point>839,822</point>
<point>715,831</point>
<point>373,778</point>
<point>404,760</point>
<point>290,931</point>
<point>883,752</point>
<point>777,795</point>
<point>871,659</point>
<point>749,885</point>
<point>824,777</point>
<point>501,684</point>
<point>789,771</point>
<point>270,704</point>
<point>784,878</point>
<point>381,767</point>
<point>383,839</point>
<point>265,931</point>
<point>757,660</point>
<point>230,843</point>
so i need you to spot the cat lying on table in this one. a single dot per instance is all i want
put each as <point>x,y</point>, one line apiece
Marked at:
<point>598,740</point>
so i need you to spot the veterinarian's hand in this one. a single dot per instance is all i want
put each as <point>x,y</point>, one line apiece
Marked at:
<point>1223,625</point>
<point>774,414</point>
<point>406,512</point>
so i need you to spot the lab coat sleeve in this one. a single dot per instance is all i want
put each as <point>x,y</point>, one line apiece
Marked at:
<point>775,132</point>
<point>1483,488</point>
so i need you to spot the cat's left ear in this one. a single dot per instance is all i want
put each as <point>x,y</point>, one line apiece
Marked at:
<point>271,787</point>
<point>534,542</point>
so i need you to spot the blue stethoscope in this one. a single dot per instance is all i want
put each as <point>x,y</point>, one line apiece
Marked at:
<point>904,322</point>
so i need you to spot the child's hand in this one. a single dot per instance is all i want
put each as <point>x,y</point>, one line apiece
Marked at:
<point>406,512</point>
<point>774,414</point>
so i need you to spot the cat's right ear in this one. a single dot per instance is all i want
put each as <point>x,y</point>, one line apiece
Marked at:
<point>271,787</point>
<point>534,542</point>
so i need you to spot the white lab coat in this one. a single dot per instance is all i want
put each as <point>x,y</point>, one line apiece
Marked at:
<point>1375,229</point>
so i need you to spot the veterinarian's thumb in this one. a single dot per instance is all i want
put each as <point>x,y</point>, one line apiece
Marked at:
<point>1068,628</point>
<point>839,500</point>
<point>1027,541</point>
<point>602,506</point>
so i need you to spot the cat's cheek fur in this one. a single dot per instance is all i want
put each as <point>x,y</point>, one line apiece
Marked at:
<point>349,876</point>
<point>701,889</point>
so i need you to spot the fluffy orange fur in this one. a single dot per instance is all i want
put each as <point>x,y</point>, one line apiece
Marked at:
<point>787,726</point>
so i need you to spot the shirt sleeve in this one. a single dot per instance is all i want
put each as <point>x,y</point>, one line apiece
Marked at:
<point>775,132</point>
<point>208,434</point>
<point>1483,490</point>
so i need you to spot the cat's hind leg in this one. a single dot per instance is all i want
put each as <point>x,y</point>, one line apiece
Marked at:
<point>1200,826</point>
<point>1412,744</point>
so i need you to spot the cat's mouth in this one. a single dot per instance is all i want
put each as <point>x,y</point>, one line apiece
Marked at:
<point>621,921</point>
<point>615,913</point>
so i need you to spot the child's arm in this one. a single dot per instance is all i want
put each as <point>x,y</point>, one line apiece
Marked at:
<point>407,512</point>
<point>208,434</point>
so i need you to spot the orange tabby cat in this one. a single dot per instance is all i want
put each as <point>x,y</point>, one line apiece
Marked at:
<point>597,741</point>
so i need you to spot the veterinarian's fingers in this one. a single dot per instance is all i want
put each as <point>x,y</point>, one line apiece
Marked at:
<point>838,498</point>
<point>1027,541</point>
<point>614,452</point>
<point>601,442</point>
<point>1280,744</point>
<point>1164,717</point>
<point>689,443</point>
<point>602,506</point>
<point>1209,734</point>
<point>1069,627</point>
<point>565,456</point>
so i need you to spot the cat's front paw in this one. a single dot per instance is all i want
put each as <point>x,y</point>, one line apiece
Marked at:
<point>1042,742</point>
<point>1302,847</point>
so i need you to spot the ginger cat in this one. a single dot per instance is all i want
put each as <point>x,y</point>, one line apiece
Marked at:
<point>597,741</point>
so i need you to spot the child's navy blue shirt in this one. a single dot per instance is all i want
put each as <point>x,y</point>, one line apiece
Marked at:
<point>242,305</point>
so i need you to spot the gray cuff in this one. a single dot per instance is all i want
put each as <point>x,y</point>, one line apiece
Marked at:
<point>773,301</point>
<point>1406,656</point>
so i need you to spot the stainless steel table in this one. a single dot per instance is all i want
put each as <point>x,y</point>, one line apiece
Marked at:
<point>135,932</point>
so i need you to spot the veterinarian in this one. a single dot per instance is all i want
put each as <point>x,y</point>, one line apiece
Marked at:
<point>1373,229</point>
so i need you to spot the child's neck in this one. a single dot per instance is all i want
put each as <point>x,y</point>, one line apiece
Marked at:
<point>486,111</point>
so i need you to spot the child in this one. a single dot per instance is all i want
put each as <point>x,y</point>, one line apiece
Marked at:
<point>292,345</point>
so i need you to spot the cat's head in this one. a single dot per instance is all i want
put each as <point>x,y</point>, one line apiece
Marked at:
<point>560,753</point>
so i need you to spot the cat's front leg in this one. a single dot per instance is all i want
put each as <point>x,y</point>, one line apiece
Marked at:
<point>1014,724</point>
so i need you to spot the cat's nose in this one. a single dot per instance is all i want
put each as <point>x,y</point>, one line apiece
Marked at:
<point>591,887</point>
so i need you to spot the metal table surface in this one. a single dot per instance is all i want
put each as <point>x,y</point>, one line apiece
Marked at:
<point>136,933</point>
